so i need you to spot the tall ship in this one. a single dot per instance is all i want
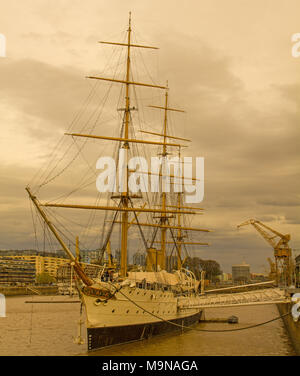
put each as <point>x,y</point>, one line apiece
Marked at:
<point>123,303</point>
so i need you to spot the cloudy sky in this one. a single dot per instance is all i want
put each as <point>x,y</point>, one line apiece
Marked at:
<point>228,64</point>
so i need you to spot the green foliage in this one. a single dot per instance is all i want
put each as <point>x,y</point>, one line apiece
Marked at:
<point>44,278</point>
<point>196,265</point>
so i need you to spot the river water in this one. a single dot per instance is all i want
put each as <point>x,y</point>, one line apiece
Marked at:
<point>49,329</point>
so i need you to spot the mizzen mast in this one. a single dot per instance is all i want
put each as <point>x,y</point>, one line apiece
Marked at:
<point>164,218</point>
<point>164,222</point>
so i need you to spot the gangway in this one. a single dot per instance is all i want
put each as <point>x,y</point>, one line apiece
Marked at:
<point>257,297</point>
<point>34,290</point>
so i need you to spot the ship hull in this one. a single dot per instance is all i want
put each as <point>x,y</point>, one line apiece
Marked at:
<point>114,335</point>
<point>292,327</point>
<point>133,314</point>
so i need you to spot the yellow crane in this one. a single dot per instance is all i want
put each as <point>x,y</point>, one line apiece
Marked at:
<point>272,273</point>
<point>280,244</point>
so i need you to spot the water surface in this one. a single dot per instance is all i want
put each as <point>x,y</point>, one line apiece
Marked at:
<point>49,329</point>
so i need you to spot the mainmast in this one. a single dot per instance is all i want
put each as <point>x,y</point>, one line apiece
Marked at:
<point>124,194</point>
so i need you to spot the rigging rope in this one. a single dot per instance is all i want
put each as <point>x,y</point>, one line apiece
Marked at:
<point>139,226</point>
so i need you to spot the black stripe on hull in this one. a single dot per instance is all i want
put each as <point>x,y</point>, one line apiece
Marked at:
<point>114,335</point>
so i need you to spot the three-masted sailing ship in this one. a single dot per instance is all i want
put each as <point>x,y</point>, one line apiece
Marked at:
<point>127,305</point>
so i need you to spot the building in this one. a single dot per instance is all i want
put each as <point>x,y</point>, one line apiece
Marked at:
<point>241,273</point>
<point>118,256</point>
<point>225,277</point>
<point>64,273</point>
<point>259,277</point>
<point>16,271</point>
<point>89,256</point>
<point>297,270</point>
<point>171,263</point>
<point>42,262</point>
<point>139,258</point>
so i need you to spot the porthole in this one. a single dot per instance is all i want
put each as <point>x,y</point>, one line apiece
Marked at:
<point>99,301</point>
<point>113,311</point>
<point>127,311</point>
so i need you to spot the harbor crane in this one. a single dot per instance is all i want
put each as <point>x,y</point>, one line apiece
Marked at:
<point>280,244</point>
<point>272,274</point>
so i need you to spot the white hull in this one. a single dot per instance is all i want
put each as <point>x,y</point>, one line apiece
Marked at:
<point>134,314</point>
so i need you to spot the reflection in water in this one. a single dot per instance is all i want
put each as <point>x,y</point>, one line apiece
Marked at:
<point>48,329</point>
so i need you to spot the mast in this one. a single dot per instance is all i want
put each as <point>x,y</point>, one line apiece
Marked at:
<point>163,219</point>
<point>124,194</point>
<point>163,223</point>
<point>125,147</point>
<point>179,236</point>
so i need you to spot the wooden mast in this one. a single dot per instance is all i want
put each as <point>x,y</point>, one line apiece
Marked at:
<point>179,236</point>
<point>124,183</point>
<point>164,217</point>
<point>124,194</point>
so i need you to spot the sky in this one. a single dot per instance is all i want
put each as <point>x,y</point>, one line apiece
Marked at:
<point>228,64</point>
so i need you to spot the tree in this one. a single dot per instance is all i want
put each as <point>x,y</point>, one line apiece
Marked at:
<point>196,265</point>
<point>212,269</point>
<point>44,278</point>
